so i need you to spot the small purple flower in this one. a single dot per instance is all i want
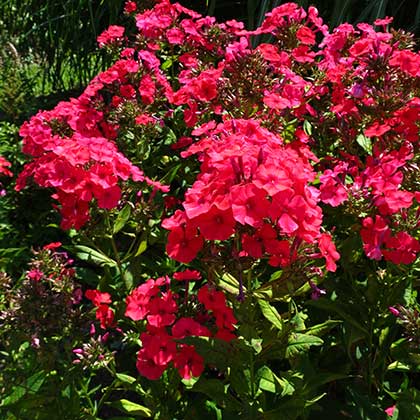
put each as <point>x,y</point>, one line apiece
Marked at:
<point>316,291</point>
<point>357,91</point>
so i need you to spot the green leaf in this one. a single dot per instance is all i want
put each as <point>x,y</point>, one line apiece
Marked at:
<point>399,367</point>
<point>271,314</point>
<point>32,385</point>
<point>270,382</point>
<point>365,143</point>
<point>91,255</point>
<point>322,378</point>
<point>170,137</point>
<point>34,382</point>
<point>286,386</point>
<point>230,284</point>
<point>256,344</point>
<point>142,247</point>
<point>212,407</point>
<point>214,351</point>
<point>122,219</point>
<point>268,385</point>
<point>409,404</point>
<point>312,401</point>
<point>215,389</point>
<point>18,392</point>
<point>132,408</point>
<point>127,379</point>
<point>321,329</point>
<point>349,313</point>
<point>167,64</point>
<point>307,127</point>
<point>282,288</point>
<point>300,343</point>
<point>240,379</point>
<point>364,406</point>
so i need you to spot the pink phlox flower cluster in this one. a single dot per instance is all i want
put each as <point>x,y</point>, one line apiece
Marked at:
<point>154,302</point>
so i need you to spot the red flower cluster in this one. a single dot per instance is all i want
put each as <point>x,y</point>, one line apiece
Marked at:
<point>73,156</point>
<point>104,313</point>
<point>154,302</point>
<point>282,131</point>
<point>252,183</point>
<point>111,35</point>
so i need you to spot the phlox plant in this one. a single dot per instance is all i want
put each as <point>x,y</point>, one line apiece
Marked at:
<point>241,218</point>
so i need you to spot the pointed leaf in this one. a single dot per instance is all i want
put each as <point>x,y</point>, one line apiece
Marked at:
<point>307,127</point>
<point>35,382</point>
<point>349,313</point>
<point>132,408</point>
<point>365,143</point>
<point>321,329</point>
<point>127,379</point>
<point>271,314</point>
<point>267,381</point>
<point>270,382</point>
<point>300,343</point>
<point>399,367</point>
<point>215,389</point>
<point>18,392</point>
<point>91,255</point>
<point>122,219</point>
<point>142,247</point>
<point>230,284</point>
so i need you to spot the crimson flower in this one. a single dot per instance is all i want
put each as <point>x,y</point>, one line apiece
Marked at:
<point>106,316</point>
<point>188,362</point>
<point>328,251</point>
<point>98,297</point>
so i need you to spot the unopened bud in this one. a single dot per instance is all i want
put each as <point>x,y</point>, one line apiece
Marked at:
<point>394,311</point>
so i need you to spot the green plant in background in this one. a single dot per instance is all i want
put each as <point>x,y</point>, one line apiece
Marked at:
<point>60,36</point>
<point>17,91</point>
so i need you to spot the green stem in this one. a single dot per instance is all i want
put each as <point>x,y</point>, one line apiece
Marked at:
<point>107,393</point>
<point>252,376</point>
<point>253,385</point>
<point>116,253</point>
<point>130,250</point>
<point>370,357</point>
